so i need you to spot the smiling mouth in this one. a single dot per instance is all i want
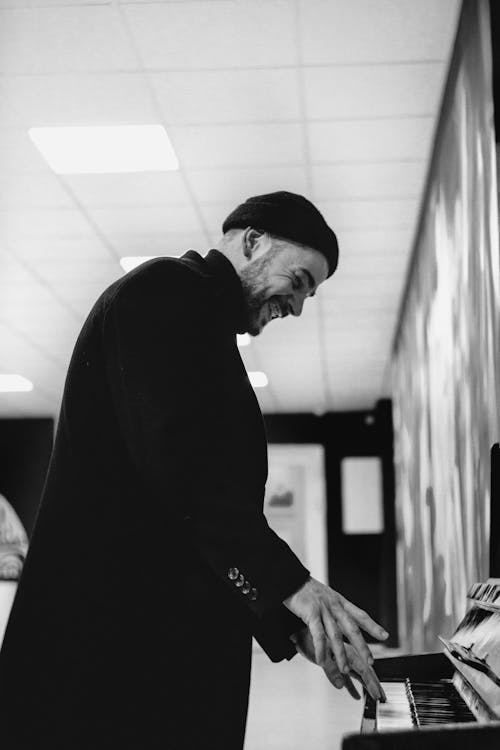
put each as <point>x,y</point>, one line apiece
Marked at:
<point>275,310</point>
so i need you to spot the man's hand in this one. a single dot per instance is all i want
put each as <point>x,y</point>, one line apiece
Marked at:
<point>329,616</point>
<point>358,669</point>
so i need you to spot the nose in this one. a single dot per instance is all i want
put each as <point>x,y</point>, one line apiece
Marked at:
<point>296,304</point>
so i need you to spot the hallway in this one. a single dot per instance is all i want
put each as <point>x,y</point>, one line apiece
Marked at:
<point>294,707</point>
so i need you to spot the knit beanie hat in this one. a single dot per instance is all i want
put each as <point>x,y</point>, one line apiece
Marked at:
<point>289,216</point>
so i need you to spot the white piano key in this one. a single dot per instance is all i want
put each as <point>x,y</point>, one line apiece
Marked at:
<point>395,712</point>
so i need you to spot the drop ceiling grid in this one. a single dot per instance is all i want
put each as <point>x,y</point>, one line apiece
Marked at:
<point>214,220</point>
<point>366,181</point>
<point>90,223</point>
<point>42,285</point>
<point>102,236</point>
<point>324,399</point>
<point>288,347</point>
<point>255,362</point>
<point>162,117</point>
<point>206,176</point>
<point>34,343</point>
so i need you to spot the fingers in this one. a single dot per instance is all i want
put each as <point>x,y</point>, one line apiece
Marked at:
<point>351,688</point>
<point>353,633</point>
<point>319,640</point>
<point>329,617</point>
<point>332,672</point>
<point>365,621</point>
<point>373,686</point>
<point>336,642</point>
<point>366,674</point>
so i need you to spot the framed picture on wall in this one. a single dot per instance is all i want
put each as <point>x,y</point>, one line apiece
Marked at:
<point>295,502</point>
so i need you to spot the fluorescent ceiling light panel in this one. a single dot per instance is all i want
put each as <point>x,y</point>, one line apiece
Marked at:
<point>258,379</point>
<point>243,339</point>
<point>14,383</point>
<point>105,150</point>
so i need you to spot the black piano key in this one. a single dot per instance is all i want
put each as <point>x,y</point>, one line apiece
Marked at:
<point>438,703</point>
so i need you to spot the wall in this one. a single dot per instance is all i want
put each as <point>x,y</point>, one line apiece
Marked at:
<point>360,566</point>
<point>446,367</point>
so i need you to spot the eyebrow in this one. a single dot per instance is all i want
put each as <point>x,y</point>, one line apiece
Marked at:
<point>310,278</point>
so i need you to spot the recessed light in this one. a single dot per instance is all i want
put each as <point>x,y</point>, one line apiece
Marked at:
<point>258,379</point>
<point>105,149</point>
<point>14,383</point>
<point>242,339</point>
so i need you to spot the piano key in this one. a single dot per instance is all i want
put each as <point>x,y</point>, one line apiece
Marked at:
<point>420,704</point>
<point>395,713</point>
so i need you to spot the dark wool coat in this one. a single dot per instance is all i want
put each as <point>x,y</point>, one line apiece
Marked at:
<point>151,564</point>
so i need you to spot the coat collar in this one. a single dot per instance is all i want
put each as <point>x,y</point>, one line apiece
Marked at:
<point>218,267</point>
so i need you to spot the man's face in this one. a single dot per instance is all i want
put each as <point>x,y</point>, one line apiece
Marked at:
<point>277,279</point>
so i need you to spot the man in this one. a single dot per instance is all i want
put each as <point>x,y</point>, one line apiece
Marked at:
<point>151,564</point>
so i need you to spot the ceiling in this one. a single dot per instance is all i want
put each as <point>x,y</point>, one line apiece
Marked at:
<point>334,99</point>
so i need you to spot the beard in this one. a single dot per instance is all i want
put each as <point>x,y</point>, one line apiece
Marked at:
<point>253,279</point>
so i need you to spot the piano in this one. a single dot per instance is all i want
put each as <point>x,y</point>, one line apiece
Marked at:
<point>444,700</point>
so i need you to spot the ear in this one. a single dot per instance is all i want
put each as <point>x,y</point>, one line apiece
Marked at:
<point>251,238</point>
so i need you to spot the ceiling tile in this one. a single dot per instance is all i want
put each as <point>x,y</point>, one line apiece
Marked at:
<point>123,190</point>
<point>284,335</point>
<point>217,34</point>
<point>63,39</point>
<point>393,266</point>
<point>215,214</point>
<point>32,191</point>
<point>245,145</point>
<point>335,31</point>
<point>117,223</point>
<point>55,247</point>
<point>74,65</point>
<point>81,296</point>
<point>17,4</point>
<point>226,96</point>
<point>43,223</point>
<point>62,274</point>
<point>338,92</point>
<point>370,140</point>
<point>233,186</point>
<point>161,243</point>
<point>384,292</point>
<point>18,155</point>
<point>370,214</point>
<point>76,99</point>
<point>29,300</point>
<point>12,272</point>
<point>375,242</point>
<point>376,340</point>
<point>305,389</point>
<point>355,181</point>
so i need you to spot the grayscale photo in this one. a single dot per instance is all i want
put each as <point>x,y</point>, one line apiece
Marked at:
<point>249,375</point>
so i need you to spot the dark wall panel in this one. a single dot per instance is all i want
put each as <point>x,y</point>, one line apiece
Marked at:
<point>25,447</point>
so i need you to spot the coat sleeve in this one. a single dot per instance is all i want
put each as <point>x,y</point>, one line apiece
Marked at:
<point>160,372</point>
